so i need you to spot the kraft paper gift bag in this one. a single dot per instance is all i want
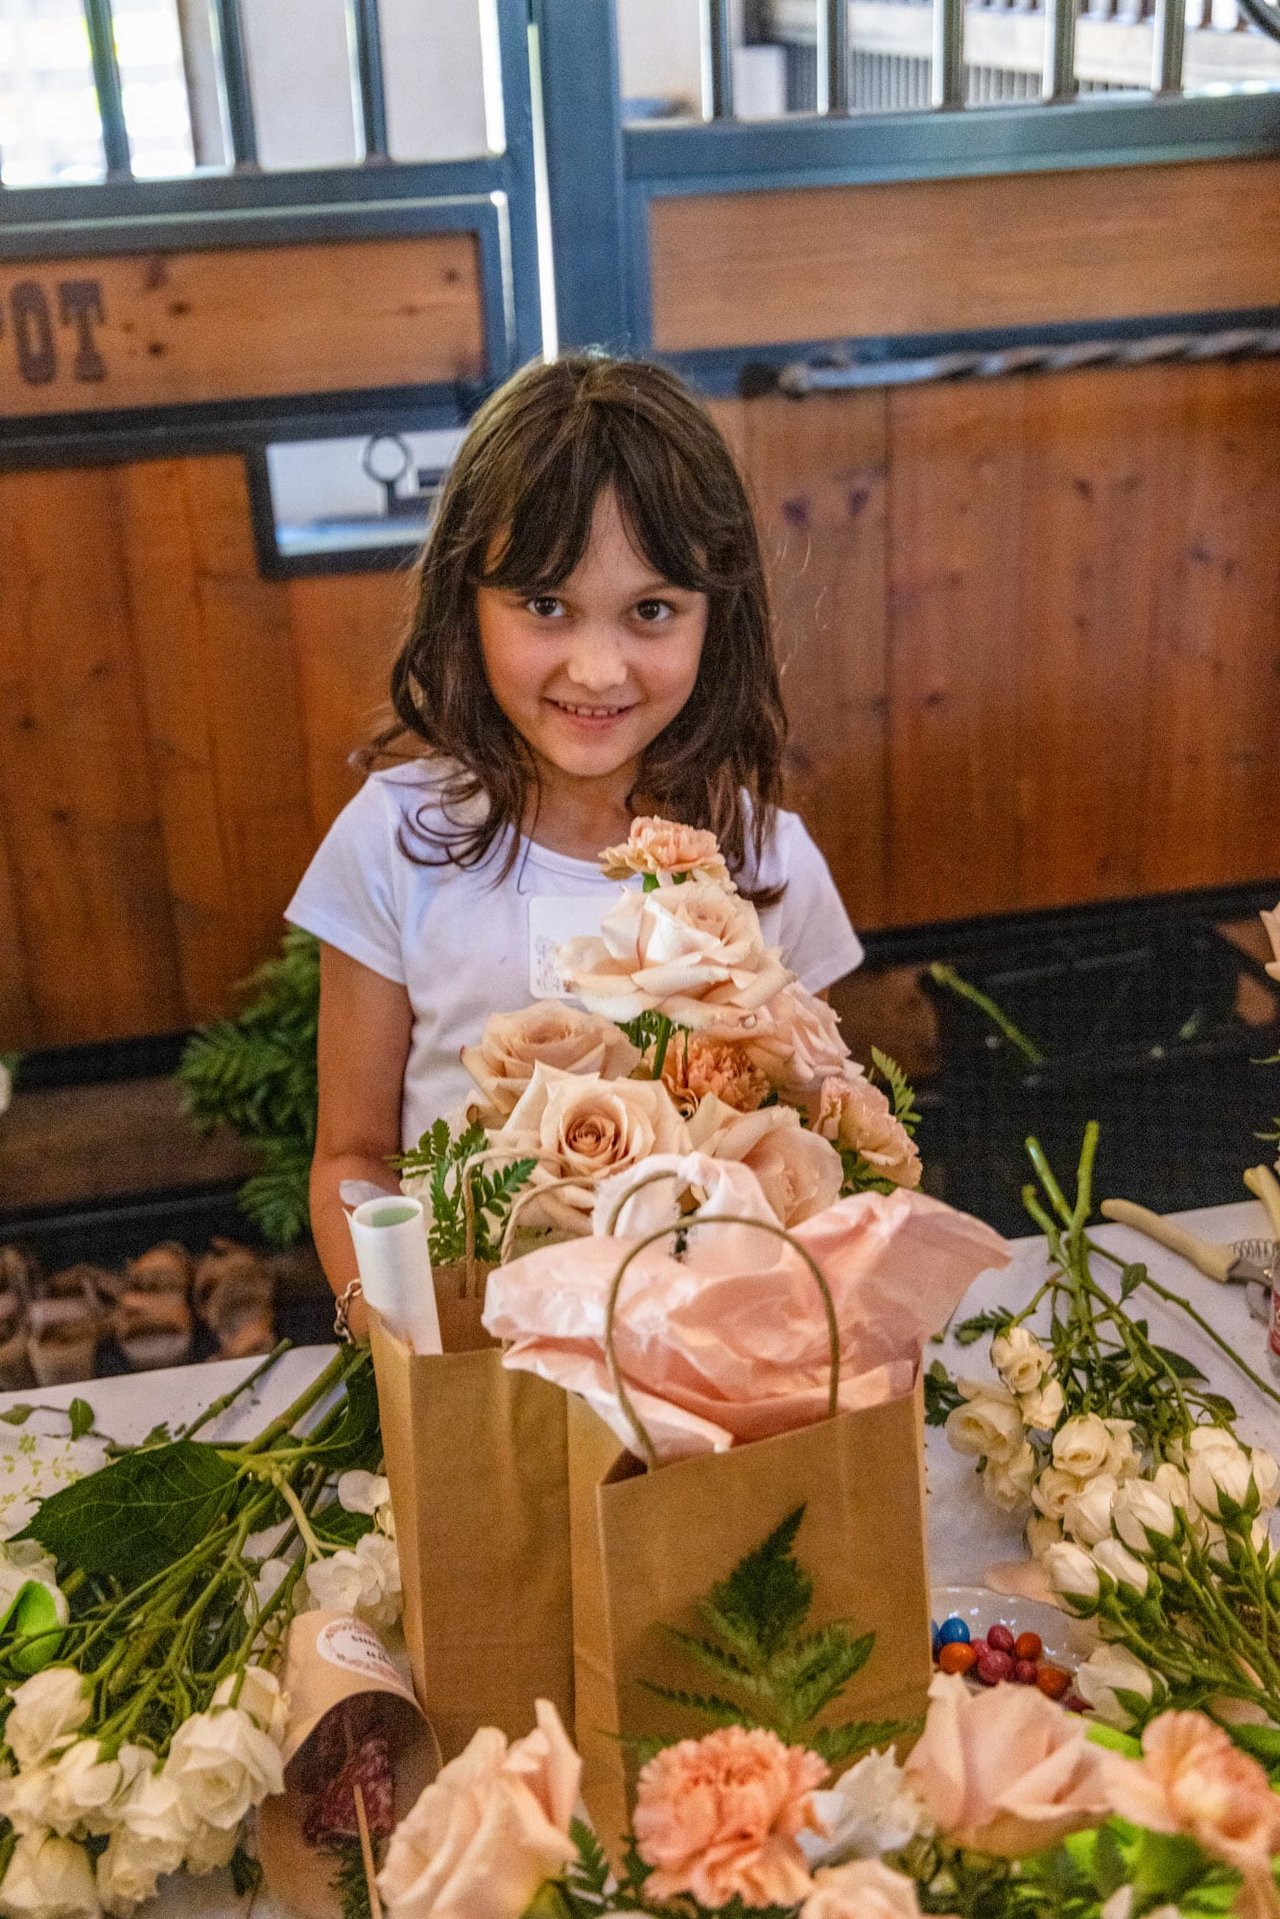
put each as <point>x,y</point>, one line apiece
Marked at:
<point>648,1544</point>
<point>476,1460</point>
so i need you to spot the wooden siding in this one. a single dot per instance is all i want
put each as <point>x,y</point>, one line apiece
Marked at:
<point>927,256</point>
<point>1031,633</point>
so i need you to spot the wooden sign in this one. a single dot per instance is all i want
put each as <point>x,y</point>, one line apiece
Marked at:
<point>174,329</point>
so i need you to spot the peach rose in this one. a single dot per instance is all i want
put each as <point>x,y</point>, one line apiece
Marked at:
<point>799,1173</point>
<point>718,1817</point>
<point>489,1831</point>
<point>662,849</point>
<point>551,1031</point>
<point>865,1889</point>
<point>794,1039</point>
<point>1005,1771</point>
<point>1272,923</point>
<point>1192,1780</point>
<point>697,1065</point>
<point>581,1127</point>
<point>858,1116</point>
<point>693,952</point>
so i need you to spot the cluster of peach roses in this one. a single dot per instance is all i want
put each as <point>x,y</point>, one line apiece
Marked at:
<point>739,1061</point>
<point>997,1781</point>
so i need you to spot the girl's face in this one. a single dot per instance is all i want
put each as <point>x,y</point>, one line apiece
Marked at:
<point>590,673</point>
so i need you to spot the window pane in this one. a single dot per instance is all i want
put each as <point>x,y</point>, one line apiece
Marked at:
<point>49,124</point>
<point>435,79</point>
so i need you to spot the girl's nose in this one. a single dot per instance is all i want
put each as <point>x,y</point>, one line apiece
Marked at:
<point>596,662</point>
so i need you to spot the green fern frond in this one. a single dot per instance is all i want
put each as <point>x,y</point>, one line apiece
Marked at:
<point>904,1099</point>
<point>722,1712</point>
<point>837,1744</point>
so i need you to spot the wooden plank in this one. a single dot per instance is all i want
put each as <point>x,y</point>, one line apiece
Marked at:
<point>1099,446</point>
<point>1210,813</point>
<point>168,329</point>
<point>75,778</point>
<point>346,632</point>
<point>829,262</point>
<point>19,1025</point>
<point>817,475</point>
<point>957,455</point>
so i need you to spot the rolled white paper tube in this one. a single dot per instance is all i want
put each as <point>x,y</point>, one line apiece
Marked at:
<point>390,1237</point>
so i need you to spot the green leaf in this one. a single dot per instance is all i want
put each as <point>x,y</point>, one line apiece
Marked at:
<point>765,1598</point>
<point>355,1438</point>
<point>1110,1868</point>
<point>138,1514</point>
<point>1178,1363</point>
<point>904,1099</point>
<point>246,1873</point>
<point>722,1712</point>
<point>17,1415</point>
<point>337,1527</point>
<point>836,1744</point>
<point>80,1413</point>
<point>1261,1742</point>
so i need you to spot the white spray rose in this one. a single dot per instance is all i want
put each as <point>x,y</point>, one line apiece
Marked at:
<point>1088,1512</point>
<point>155,1821</point>
<point>1081,1445</point>
<point>86,1790</point>
<point>1266,1477</point>
<point>1073,1576</point>
<point>1054,1491</point>
<point>46,1708</point>
<point>261,1696</point>
<point>1108,1671</point>
<point>1043,1408</point>
<point>1008,1483</point>
<point>1119,1564</point>
<point>1122,1460</point>
<point>1042,1533</point>
<point>127,1873</point>
<point>1020,1359</point>
<point>989,1424</point>
<point>1222,1483</point>
<point>207,1848</point>
<point>49,1878</point>
<point>24,1798</point>
<point>1174,1484</point>
<point>222,1765</point>
<point>870,1810</point>
<point>1143,1516</point>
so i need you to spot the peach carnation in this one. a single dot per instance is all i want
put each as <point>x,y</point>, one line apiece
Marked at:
<point>696,1065</point>
<point>551,1031</point>
<point>718,1817</point>
<point>857,1115</point>
<point>1193,1780</point>
<point>662,849</point>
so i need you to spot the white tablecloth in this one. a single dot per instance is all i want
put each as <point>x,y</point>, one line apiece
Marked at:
<point>966,1534</point>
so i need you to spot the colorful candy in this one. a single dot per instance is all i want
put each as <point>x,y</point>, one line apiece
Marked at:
<point>1000,1655</point>
<point>953,1632</point>
<point>955,1656</point>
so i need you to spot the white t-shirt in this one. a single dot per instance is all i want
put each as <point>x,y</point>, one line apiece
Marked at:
<point>461,943</point>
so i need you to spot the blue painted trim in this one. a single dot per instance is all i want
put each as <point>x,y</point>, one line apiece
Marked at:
<point>640,277</point>
<point>516,181</point>
<point>249,192</point>
<point>582,114</point>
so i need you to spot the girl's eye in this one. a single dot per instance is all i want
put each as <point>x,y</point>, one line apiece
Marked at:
<point>651,611</point>
<point>543,606</point>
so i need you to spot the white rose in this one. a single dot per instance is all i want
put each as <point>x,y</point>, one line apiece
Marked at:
<point>1266,1477</point>
<point>584,1129</point>
<point>1043,1408</point>
<point>1174,1484</point>
<point>50,1878</point>
<point>1087,1517</point>
<point>1073,1576</point>
<point>870,1810</point>
<point>1081,1445</point>
<point>549,1030</point>
<point>1119,1564</point>
<point>222,1765</point>
<point>260,1694</point>
<point>799,1173</point>
<point>693,952</point>
<point>1041,1533</point>
<point>1222,1483</point>
<point>1008,1483</point>
<point>24,1798</point>
<point>1143,1516</point>
<point>86,1790</point>
<point>1108,1671</point>
<point>1122,1459</point>
<point>1204,1440</point>
<point>1054,1492</point>
<point>128,1872</point>
<point>154,1818</point>
<point>1020,1359</point>
<point>207,1848</point>
<point>46,1708</point>
<point>989,1424</point>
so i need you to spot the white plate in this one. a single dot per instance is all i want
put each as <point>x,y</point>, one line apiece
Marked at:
<point>980,1609</point>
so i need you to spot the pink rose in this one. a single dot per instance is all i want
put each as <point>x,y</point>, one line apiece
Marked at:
<point>718,1817</point>
<point>489,1831</point>
<point>858,1116</point>
<point>697,1065</point>
<point>1192,1780</point>
<point>553,1032</point>
<point>864,1889</point>
<point>794,1038</point>
<point>799,1173</point>
<point>693,952</point>
<point>664,848</point>
<point>1005,1771</point>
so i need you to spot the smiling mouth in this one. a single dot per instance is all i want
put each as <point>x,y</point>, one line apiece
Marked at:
<point>589,712</point>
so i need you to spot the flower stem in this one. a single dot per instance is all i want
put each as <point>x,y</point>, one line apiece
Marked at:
<point>665,1030</point>
<point>218,1406</point>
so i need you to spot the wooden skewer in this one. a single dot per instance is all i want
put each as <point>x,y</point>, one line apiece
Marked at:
<point>366,1854</point>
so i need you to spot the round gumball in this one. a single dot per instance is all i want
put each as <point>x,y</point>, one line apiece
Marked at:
<point>1024,1672</point>
<point>953,1632</point>
<point>1028,1645</point>
<point>957,1657</point>
<point>1052,1680</point>
<point>994,1666</point>
<point>1000,1639</point>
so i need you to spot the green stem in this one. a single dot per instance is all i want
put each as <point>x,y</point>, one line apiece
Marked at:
<point>1184,1305</point>
<point>218,1406</point>
<point>948,977</point>
<point>346,1359</point>
<point>663,1040</point>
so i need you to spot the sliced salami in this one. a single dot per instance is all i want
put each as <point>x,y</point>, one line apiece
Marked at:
<point>331,1814</point>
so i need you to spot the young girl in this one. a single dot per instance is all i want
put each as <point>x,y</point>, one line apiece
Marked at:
<point>590,642</point>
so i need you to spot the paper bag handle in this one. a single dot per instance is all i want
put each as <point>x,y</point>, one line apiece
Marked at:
<point>647,1447</point>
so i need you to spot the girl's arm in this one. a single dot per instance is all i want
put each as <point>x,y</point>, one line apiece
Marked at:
<point>365,1026</point>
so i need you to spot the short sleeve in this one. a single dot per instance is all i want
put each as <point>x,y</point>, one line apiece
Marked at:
<point>347,895</point>
<point>818,941</point>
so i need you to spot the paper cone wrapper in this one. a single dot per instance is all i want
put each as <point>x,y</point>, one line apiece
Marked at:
<point>390,1237</point>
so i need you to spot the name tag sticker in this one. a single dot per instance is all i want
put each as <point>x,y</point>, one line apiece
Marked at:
<point>554,918</point>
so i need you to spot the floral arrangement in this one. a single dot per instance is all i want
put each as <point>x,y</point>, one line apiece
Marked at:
<point>147,1609</point>
<point>694,1038</point>
<point>1004,1806</point>
<point>1146,1511</point>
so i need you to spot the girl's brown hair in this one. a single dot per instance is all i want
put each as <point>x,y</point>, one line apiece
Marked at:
<point>525,485</point>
